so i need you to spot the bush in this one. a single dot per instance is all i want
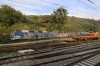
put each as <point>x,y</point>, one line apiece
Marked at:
<point>4,38</point>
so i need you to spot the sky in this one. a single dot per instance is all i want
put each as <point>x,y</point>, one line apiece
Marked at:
<point>77,8</point>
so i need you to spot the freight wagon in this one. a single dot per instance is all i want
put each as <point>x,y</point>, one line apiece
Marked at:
<point>34,34</point>
<point>30,34</point>
<point>86,36</point>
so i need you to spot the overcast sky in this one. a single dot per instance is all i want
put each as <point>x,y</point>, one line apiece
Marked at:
<point>44,7</point>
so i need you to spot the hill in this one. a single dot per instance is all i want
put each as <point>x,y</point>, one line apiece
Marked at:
<point>11,19</point>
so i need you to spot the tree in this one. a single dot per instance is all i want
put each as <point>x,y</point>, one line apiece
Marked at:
<point>46,21</point>
<point>20,26</point>
<point>10,16</point>
<point>59,18</point>
<point>2,29</point>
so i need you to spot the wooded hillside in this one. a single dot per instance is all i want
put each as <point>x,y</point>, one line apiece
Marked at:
<point>11,19</point>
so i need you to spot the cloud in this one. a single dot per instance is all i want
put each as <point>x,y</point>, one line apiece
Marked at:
<point>46,14</point>
<point>29,13</point>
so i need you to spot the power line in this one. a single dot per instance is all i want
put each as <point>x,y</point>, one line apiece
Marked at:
<point>79,15</point>
<point>53,3</point>
<point>90,1</point>
<point>68,7</point>
<point>27,8</point>
<point>33,4</point>
<point>38,4</point>
<point>93,3</point>
<point>41,10</point>
<point>83,11</point>
<point>87,5</point>
<point>42,6</point>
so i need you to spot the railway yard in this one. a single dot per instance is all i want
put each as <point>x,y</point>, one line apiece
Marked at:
<point>49,33</point>
<point>63,54</point>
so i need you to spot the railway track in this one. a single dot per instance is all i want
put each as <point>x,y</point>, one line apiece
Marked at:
<point>68,61</point>
<point>46,45</point>
<point>54,56</point>
<point>90,62</point>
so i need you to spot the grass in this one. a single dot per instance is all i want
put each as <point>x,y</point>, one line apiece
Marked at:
<point>3,54</point>
<point>38,44</point>
<point>14,53</point>
<point>31,43</point>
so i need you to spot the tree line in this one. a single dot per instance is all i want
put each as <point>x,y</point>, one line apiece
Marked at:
<point>11,19</point>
